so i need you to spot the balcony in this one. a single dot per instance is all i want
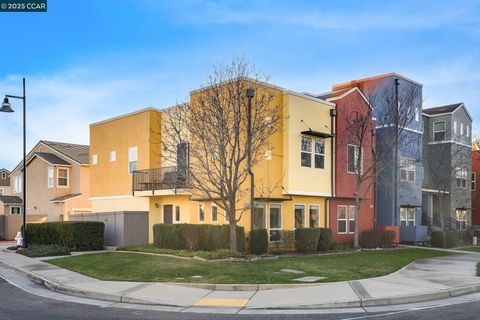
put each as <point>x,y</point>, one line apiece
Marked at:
<point>159,181</point>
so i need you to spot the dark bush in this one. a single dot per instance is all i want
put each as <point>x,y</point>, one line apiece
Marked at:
<point>387,237</point>
<point>306,239</point>
<point>451,239</point>
<point>325,240</point>
<point>377,239</point>
<point>42,250</point>
<point>196,237</point>
<point>77,235</point>
<point>259,241</point>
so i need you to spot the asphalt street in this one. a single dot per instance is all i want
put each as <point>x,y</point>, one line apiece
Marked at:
<point>16,304</point>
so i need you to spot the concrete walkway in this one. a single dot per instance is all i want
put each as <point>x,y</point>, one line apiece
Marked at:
<point>422,280</point>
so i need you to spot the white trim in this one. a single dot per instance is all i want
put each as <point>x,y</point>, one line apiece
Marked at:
<point>448,113</point>
<point>113,155</point>
<point>52,170</point>
<point>304,225</point>
<point>400,127</point>
<point>268,220</point>
<point>81,209</point>
<point>111,198</point>
<point>394,74</point>
<point>347,93</point>
<point>306,96</point>
<point>213,204</point>
<point>451,141</point>
<point>63,201</point>
<point>307,193</point>
<point>434,191</point>
<point>319,213</point>
<point>266,84</point>
<point>14,214</point>
<point>198,213</point>
<point>125,115</point>
<point>58,177</point>
<point>94,156</point>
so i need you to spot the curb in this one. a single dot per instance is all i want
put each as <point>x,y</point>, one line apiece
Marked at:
<point>370,302</point>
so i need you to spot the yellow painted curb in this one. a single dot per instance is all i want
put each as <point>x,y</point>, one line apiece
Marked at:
<point>222,302</point>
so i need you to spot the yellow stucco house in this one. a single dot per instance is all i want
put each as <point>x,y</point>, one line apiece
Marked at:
<point>125,155</point>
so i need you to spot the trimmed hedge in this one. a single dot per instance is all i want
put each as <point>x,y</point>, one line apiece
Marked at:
<point>377,239</point>
<point>307,239</point>
<point>44,250</point>
<point>77,235</point>
<point>196,237</point>
<point>259,241</point>
<point>451,239</point>
<point>325,240</point>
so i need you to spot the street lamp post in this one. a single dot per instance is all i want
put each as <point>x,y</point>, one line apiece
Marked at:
<point>250,95</point>
<point>6,107</point>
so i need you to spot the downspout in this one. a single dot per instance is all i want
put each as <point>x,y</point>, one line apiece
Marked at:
<point>397,83</point>
<point>333,114</point>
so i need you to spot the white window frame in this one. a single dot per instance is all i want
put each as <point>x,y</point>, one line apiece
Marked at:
<point>113,155</point>
<point>16,207</point>
<point>303,215</point>
<point>214,205</point>
<point>132,157</point>
<point>309,152</point>
<point>319,154</point>
<point>455,127</point>
<point>408,165</point>
<point>312,153</point>
<point>17,184</point>
<point>355,152</point>
<point>50,177</point>
<point>461,128</point>
<point>343,219</point>
<point>467,131</point>
<point>279,205</point>
<point>177,208</point>
<point>58,177</point>
<point>201,209</point>
<point>4,175</point>
<point>439,131</point>
<point>417,115</point>
<point>474,181</point>
<point>265,212</point>
<point>317,207</point>
<point>407,219</point>
<point>462,218</point>
<point>461,178</point>
<point>94,159</point>
<point>351,218</point>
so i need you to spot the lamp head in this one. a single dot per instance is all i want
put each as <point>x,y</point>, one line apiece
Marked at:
<point>250,93</point>
<point>6,106</point>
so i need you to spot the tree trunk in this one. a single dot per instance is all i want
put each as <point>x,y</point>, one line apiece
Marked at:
<point>442,223</point>
<point>356,243</point>
<point>233,232</point>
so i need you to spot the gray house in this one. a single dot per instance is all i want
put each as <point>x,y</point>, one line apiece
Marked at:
<point>397,103</point>
<point>447,147</point>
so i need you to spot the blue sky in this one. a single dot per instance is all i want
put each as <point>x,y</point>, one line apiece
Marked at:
<point>89,60</point>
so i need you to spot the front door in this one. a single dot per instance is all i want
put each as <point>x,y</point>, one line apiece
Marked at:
<point>168,214</point>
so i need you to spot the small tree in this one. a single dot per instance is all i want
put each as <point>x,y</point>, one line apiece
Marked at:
<point>214,126</point>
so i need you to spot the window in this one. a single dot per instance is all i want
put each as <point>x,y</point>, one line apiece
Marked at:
<point>455,127</point>
<point>461,129</point>
<point>132,159</point>
<point>50,178</point>
<point>268,155</point>
<point>407,169</point>
<point>462,218</point>
<point>306,152</point>
<point>474,181</point>
<point>94,158</point>
<point>467,129</point>
<point>346,219</point>
<point>417,115</point>
<point>214,212</point>
<point>4,175</point>
<point>461,178</point>
<point>259,216</point>
<point>62,180</point>
<point>275,222</point>
<point>201,212</point>
<point>113,155</point>
<point>407,216</point>
<point>314,216</point>
<point>15,210</point>
<point>351,217</point>
<point>299,214</point>
<point>318,153</point>
<point>177,213</point>
<point>439,131</point>
<point>353,152</point>
<point>1,192</point>
<point>17,184</point>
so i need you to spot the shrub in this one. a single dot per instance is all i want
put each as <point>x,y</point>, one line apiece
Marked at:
<point>325,240</point>
<point>196,237</point>
<point>288,239</point>
<point>451,239</point>
<point>77,235</point>
<point>259,241</point>
<point>306,239</point>
<point>387,237</point>
<point>43,250</point>
<point>13,248</point>
<point>377,239</point>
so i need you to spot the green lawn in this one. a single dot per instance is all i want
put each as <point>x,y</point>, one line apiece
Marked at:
<point>339,267</point>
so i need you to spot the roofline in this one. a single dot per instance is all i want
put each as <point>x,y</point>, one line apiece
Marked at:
<point>36,155</point>
<point>65,200</point>
<point>448,113</point>
<point>349,92</point>
<point>124,116</point>
<point>306,96</point>
<point>241,78</point>
<point>378,77</point>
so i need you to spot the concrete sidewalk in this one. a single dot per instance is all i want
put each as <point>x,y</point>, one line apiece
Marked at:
<point>423,280</point>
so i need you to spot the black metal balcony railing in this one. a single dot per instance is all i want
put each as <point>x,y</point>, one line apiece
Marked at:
<point>160,179</point>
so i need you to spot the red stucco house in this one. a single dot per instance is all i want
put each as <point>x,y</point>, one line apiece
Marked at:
<point>350,102</point>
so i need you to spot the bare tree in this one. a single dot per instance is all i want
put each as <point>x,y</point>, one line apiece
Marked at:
<point>395,109</point>
<point>214,126</point>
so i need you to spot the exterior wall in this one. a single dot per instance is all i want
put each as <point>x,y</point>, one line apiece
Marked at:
<point>476,191</point>
<point>367,218</point>
<point>4,182</point>
<point>112,179</point>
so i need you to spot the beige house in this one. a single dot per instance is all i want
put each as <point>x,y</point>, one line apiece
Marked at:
<point>10,216</point>
<point>4,182</point>
<point>58,181</point>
